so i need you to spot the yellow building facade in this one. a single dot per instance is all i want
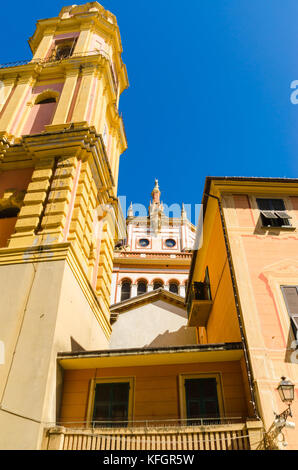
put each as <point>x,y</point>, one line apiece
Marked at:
<point>205,376</point>
<point>61,138</point>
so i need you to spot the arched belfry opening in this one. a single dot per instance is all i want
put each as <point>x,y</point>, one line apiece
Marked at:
<point>41,112</point>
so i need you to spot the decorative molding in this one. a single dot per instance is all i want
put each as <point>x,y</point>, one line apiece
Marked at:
<point>12,198</point>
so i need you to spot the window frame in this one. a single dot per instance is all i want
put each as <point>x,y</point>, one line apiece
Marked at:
<point>293,327</point>
<point>166,247</point>
<point>142,281</point>
<point>125,281</point>
<point>174,283</point>
<point>262,217</point>
<point>103,380</point>
<point>158,281</point>
<point>182,394</point>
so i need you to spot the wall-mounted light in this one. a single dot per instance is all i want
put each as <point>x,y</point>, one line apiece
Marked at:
<point>286,393</point>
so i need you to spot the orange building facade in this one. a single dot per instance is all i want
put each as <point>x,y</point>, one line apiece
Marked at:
<point>250,251</point>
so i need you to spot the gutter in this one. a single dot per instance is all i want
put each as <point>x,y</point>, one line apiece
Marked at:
<point>146,351</point>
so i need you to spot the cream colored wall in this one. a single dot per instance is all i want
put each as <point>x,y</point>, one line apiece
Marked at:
<point>152,325</point>
<point>40,311</point>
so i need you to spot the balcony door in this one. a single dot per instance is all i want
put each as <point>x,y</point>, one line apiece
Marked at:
<point>201,399</point>
<point>111,404</point>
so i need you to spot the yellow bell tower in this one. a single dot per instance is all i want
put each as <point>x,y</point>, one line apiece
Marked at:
<point>61,137</point>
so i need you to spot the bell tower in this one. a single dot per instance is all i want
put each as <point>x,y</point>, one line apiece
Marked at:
<point>61,137</point>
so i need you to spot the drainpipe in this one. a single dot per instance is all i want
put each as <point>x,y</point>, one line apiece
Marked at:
<point>237,303</point>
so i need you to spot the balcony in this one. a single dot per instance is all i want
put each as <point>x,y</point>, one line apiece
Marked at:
<point>199,304</point>
<point>210,434</point>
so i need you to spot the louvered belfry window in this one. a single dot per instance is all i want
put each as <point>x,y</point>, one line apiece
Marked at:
<point>290,294</point>
<point>273,212</point>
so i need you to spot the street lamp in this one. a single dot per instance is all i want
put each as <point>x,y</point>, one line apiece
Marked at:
<point>286,390</point>
<point>286,393</point>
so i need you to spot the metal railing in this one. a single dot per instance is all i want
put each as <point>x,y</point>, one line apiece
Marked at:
<point>53,59</point>
<point>222,434</point>
<point>154,423</point>
<point>198,291</point>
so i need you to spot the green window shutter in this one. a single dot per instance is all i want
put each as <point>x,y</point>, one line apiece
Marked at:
<point>201,398</point>
<point>111,403</point>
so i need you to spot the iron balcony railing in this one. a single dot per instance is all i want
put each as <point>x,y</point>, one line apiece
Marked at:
<point>153,423</point>
<point>198,291</point>
<point>70,58</point>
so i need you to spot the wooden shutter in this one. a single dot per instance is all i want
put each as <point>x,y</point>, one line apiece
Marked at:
<point>291,298</point>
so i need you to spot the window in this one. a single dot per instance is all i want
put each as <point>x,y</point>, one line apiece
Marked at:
<point>201,399</point>
<point>290,294</point>
<point>46,100</point>
<point>173,287</point>
<point>125,290</point>
<point>63,52</point>
<point>111,403</point>
<point>42,113</point>
<point>170,243</point>
<point>273,212</point>
<point>157,285</point>
<point>142,287</point>
<point>63,49</point>
<point>201,290</point>
<point>143,242</point>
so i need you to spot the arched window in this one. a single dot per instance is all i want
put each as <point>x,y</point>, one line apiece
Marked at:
<point>142,287</point>
<point>173,287</point>
<point>47,100</point>
<point>41,112</point>
<point>157,284</point>
<point>125,289</point>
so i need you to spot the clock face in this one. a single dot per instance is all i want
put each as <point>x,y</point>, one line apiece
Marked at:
<point>143,242</point>
<point>170,242</point>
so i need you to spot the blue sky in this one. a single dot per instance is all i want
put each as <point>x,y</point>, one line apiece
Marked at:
<point>209,89</point>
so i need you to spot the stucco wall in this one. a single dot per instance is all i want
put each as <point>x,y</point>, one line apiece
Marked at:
<point>42,307</point>
<point>154,324</point>
<point>157,394</point>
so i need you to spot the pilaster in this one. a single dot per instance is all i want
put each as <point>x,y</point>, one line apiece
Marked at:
<point>24,84</point>
<point>83,100</point>
<point>83,40</point>
<point>5,91</point>
<point>66,97</point>
<point>44,45</point>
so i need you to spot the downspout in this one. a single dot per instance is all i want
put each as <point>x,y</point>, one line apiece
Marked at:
<point>237,303</point>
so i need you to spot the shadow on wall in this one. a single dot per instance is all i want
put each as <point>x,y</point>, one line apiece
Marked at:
<point>291,354</point>
<point>182,337</point>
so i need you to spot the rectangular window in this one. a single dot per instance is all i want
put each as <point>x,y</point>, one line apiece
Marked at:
<point>201,399</point>
<point>273,212</point>
<point>290,294</point>
<point>111,404</point>
<point>201,290</point>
